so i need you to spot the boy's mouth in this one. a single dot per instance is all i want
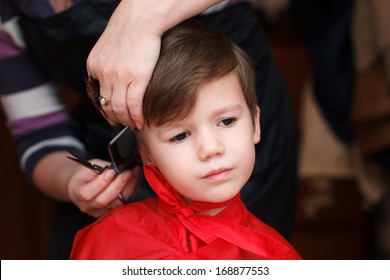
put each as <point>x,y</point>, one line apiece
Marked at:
<point>217,174</point>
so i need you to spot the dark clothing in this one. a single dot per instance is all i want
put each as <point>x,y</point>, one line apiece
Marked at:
<point>326,28</point>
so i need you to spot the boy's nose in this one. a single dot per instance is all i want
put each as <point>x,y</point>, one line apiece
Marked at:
<point>210,145</point>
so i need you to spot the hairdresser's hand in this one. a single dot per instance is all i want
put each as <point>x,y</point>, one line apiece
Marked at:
<point>124,57</point>
<point>123,61</point>
<point>96,194</point>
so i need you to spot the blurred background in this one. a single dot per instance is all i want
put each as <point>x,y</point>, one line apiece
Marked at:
<point>334,58</point>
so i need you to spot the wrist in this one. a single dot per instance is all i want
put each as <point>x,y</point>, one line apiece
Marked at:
<point>52,175</point>
<point>158,16</point>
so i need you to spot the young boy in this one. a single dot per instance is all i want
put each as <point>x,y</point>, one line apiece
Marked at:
<point>197,146</point>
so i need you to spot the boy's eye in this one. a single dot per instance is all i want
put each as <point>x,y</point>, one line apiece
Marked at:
<point>179,137</point>
<point>228,121</point>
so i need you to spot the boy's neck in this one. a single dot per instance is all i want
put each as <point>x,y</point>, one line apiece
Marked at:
<point>211,212</point>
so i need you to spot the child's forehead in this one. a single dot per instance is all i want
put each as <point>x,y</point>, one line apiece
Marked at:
<point>231,76</point>
<point>169,105</point>
<point>215,98</point>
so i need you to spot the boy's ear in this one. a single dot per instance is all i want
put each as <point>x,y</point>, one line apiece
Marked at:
<point>257,129</point>
<point>145,155</point>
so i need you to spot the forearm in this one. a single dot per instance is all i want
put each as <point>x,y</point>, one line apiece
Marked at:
<point>52,174</point>
<point>158,16</point>
<point>36,118</point>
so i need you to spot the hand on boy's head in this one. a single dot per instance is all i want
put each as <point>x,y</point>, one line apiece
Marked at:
<point>123,68</point>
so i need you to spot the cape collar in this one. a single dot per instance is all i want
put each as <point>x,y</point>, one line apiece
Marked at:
<point>210,228</point>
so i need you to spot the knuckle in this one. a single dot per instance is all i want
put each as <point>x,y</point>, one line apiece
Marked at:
<point>84,195</point>
<point>119,109</point>
<point>91,61</point>
<point>113,72</point>
<point>100,203</point>
<point>83,208</point>
<point>106,73</point>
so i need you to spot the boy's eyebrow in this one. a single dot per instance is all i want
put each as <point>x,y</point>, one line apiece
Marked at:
<point>219,111</point>
<point>226,109</point>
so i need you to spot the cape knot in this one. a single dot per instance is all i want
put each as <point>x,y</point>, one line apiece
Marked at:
<point>184,212</point>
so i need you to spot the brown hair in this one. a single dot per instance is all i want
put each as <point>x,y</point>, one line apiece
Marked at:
<point>191,55</point>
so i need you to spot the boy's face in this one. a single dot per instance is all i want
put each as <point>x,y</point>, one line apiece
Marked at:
<point>210,155</point>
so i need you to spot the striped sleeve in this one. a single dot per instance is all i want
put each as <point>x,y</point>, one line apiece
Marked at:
<point>36,117</point>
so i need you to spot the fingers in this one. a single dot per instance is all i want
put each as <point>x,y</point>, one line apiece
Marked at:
<point>135,94</point>
<point>109,198</point>
<point>98,195</point>
<point>116,111</point>
<point>123,103</point>
<point>123,68</point>
<point>110,194</point>
<point>115,79</point>
<point>128,192</point>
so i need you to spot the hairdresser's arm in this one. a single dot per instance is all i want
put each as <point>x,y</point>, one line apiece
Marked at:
<point>42,139</point>
<point>93,194</point>
<point>125,55</point>
<point>42,130</point>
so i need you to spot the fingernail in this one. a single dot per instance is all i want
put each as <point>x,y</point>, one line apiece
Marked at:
<point>126,175</point>
<point>139,125</point>
<point>109,175</point>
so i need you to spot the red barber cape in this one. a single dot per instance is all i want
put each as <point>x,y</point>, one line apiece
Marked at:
<point>167,228</point>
